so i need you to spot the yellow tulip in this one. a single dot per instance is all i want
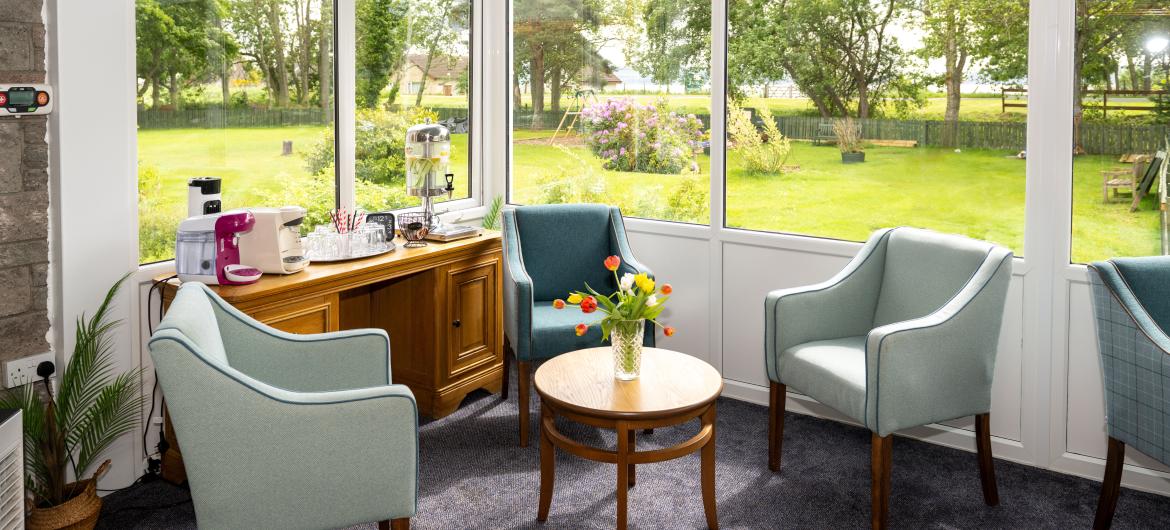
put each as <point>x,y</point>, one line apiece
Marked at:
<point>644,283</point>
<point>575,298</point>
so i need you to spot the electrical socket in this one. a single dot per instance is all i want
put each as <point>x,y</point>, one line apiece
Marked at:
<point>23,371</point>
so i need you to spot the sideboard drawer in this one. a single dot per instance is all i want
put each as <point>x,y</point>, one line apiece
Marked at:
<point>305,316</point>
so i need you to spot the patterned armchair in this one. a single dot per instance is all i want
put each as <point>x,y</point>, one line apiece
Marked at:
<point>281,430</point>
<point>1131,301</point>
<point>905,336</point>
<point>548,252</point>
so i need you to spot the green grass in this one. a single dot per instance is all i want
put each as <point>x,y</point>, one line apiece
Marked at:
<point>976,192</point>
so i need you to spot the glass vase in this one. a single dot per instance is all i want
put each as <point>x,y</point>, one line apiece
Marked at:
<point>626,340</point>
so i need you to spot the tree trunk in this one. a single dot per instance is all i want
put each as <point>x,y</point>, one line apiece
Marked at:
<point>1131,68</point>
<point>536,67</point>
<point>516,98</point>
<point>422,85</point>
<point>281,65</point>
<point>306,32</point>
<point>155,97</point>
<point>554,86</point>
<point>173,88</point>
<point>1078,108</point>
<point>225,70</point>
<point>1147,72</point>
<point>324,70</point>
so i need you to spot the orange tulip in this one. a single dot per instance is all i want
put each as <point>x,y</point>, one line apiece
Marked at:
<point>667,289</point>
<point>581,329</point>
<point>589,304</point>
<point>613,262</point>
<point>558,304</point>
<point>668,331</point>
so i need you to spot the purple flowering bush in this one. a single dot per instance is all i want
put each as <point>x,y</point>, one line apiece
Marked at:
<point>630,136</point>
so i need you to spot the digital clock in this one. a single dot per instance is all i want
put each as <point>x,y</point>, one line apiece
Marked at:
<point>19,100</point>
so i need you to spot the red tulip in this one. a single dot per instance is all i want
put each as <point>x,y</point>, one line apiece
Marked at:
<point>613,262</point>
<point>558,304</point>
<point>668,331</point>
<point>589,304</point>
<point>667,289</point>
<point>581,329</point>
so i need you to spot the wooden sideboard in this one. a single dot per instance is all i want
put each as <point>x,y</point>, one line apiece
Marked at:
<point>441,304</point>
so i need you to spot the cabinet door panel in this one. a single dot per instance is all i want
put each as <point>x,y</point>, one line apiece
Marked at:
<point>472,310</point>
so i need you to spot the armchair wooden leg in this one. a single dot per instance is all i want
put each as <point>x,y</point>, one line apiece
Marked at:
<point>524,377</point>
<point>777,394</point>
<point>986,463</point>
<point>882,457</point>
<point>507,376</point>
<point>396,524</point>
<point>1110,485</point>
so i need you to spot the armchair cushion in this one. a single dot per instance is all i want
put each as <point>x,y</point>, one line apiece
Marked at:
<point>563,246</point>
<point>829,371</point>
<point>553,333</point>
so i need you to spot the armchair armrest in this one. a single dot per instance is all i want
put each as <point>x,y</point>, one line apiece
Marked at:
<point>842,306</point>
<point>251,448</point>
<point>621,246</point>
<point>305,363</point>
<point>939,367</point>
<point>518,300</point>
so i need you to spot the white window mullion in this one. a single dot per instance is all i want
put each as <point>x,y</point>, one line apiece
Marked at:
<point>345,61</point>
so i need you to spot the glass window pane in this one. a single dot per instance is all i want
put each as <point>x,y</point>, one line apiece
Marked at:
<point>413,63</point>
<point>240,90</point>
<point>849,116</point>
<point>611,104</point>
<point>1121,116</point>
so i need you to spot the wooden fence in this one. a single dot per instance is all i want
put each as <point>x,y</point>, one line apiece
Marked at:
<point>219,118</point>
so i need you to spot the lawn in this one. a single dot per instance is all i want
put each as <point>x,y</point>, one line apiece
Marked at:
<point>974,192</point>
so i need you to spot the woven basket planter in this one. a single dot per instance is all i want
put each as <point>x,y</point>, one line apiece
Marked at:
<point>80,512</point>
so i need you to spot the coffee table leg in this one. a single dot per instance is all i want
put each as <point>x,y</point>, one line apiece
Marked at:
<point>623,471</point>
<point>708,471</point>
<point>633,448</point>
<point>547,464</point>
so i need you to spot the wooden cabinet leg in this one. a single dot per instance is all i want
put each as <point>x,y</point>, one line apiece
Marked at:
<point>524,377</point>
<point>777,395</point>
<point>986,463</point>
<point>396,524</point>
<point>633,448</point>
<point>881,463</point>
<point>1110,485</point>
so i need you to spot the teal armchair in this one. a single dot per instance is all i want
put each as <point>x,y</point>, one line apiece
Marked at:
<point>281,430</point>
<point>1131,302</point>
<point>549,251</point>
<point>905,335</point>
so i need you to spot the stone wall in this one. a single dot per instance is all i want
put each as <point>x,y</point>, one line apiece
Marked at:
<point>24,190</point>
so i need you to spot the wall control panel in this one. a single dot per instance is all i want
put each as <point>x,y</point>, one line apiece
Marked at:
<point>20,100</point>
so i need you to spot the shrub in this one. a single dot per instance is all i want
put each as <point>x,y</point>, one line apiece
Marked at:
<point>848,133</point>
<point>764,153</point>
<point>630,136</point>
<point>689,202</point>
<point>379,140</point>
<point>157,219</point>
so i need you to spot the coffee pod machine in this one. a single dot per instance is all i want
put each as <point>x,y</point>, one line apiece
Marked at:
<point>274,243</point>
<point>207,249</point>
<point>203,196</point>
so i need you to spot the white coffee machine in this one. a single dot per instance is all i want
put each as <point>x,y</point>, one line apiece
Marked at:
<point>274,244</point>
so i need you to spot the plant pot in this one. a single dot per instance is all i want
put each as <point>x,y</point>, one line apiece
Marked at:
<point>80,512</point>
<point>852,158</point>
<point>626,340</point>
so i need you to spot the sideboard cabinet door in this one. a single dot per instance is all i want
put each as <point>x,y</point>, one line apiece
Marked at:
<point>472,320</point>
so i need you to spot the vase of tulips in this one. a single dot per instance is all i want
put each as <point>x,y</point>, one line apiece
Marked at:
<point>637,300</point>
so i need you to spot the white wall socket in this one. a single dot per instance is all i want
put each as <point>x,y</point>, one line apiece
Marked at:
<point>23,371</point>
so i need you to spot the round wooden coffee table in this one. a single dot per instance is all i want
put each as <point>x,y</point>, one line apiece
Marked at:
<point>673,388</point>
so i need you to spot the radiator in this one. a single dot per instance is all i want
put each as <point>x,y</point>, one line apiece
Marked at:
<point>11,471</point>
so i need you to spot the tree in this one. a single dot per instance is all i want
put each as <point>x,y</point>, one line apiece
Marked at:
<point>1100,23</point>
<point>960,32</point>
<point>669,41</point>
<point>545,31</point>
<point>179,44</point>
<point>324,64</point>
<point>438,29</point>
<point>381,46</point>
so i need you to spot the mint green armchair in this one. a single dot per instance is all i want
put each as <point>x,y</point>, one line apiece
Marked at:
<point>281,430</point>
<point>904,336</point>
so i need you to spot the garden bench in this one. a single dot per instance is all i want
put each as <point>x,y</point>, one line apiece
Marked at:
<point>825,134</point>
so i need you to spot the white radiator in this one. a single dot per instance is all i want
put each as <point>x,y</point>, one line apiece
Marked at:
<point>11,471</point>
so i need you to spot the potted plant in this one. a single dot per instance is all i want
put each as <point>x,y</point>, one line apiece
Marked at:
<point>848,134</point>
<point>72,425</point>
<point>626,312</point>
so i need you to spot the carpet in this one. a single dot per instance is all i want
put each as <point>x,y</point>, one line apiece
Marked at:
<point>474,475</point>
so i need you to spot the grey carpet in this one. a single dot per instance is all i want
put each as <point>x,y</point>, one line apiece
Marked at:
<point>474,475</point>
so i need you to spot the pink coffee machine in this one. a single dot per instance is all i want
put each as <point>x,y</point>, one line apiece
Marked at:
<point>207,249</point>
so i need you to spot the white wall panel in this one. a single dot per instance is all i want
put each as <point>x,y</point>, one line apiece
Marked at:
<point>684,263</point>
